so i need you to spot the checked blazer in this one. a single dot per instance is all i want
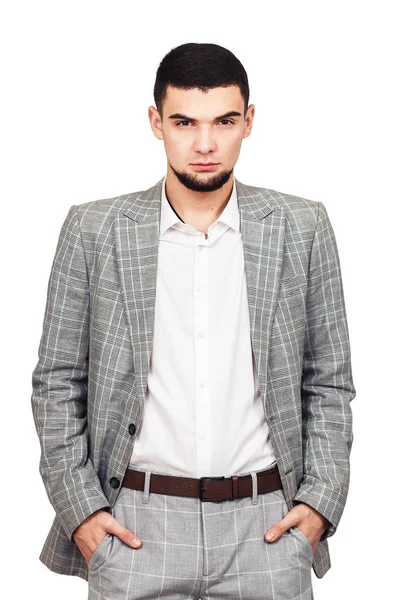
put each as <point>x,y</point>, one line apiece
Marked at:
<point>89,383</point>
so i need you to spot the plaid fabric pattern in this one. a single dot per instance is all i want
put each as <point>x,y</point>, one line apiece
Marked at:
<point>193,549</point>
<point>90,379</point>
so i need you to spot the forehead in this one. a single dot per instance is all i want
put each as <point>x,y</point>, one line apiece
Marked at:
<point>200,104</point>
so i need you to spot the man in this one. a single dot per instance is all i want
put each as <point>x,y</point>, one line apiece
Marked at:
<point>194,379</point>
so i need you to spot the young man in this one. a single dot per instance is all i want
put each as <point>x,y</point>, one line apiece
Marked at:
<point>194,378</point>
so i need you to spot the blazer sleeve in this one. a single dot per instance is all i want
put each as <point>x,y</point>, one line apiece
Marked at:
<point>327,384</point>
<point>59,382</point>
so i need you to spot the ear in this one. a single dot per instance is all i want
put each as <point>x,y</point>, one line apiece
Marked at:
<point>155,122</point>
<point>248,119</point>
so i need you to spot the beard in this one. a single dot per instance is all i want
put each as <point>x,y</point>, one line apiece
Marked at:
<point>211,184</point>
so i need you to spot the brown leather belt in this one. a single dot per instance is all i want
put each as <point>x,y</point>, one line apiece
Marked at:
<point>207,489</point>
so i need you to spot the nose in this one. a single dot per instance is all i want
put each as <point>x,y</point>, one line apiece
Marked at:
<point>204,142</point>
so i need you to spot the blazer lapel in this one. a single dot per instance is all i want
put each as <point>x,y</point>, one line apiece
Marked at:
<point>136,231</point>
<point>263,234</point>
<point>136,243</point>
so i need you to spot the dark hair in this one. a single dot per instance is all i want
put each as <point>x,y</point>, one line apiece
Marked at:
<point>200,66</point>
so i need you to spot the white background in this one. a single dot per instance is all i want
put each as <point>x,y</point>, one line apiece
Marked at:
<point>77,79</point>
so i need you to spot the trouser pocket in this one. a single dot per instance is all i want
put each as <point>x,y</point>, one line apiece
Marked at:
<point>104,548</point>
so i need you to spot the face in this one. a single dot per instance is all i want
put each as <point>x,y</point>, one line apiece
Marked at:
<point>202,127</point>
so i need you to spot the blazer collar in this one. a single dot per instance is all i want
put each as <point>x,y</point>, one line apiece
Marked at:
<point>253,203</point>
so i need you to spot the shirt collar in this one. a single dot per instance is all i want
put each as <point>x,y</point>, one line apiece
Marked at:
<point>230,214</point>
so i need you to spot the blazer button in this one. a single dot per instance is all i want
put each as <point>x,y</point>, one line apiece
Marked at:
<point>132,428</point>
<point>114,482</point>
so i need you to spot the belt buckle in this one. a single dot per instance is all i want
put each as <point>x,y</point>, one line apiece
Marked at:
<point>202,490</point>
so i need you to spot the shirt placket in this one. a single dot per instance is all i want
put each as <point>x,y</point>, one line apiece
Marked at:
<point>201,350</point>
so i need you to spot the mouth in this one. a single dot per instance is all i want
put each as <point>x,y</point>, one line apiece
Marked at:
<point>205,166</point>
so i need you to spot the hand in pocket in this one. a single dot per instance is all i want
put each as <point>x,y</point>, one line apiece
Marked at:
<point>94,529</point>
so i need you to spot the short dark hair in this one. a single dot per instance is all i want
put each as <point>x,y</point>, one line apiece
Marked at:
<point>200,66</point>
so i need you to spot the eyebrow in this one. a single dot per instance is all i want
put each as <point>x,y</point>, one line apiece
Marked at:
<point>232,113</point>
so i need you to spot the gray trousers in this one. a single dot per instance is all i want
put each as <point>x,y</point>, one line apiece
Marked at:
<point>193,549</point>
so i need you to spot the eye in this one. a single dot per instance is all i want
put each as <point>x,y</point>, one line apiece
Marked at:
<point>225,121</point>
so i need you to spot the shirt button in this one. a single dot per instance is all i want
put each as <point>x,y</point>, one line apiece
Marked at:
<point>202,436</point>
<point>198,288</point>
<point>201,334</point>
<point>202,384</point>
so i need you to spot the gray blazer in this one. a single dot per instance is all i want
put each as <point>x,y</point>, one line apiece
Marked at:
<point>90,380</point>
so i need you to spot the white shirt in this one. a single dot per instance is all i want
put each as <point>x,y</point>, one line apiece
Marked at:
<point>203,414</point>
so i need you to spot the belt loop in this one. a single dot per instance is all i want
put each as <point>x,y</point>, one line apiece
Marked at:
<point>146,490</point>
<point>235,487</point>
<point>254,499</point>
